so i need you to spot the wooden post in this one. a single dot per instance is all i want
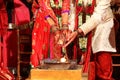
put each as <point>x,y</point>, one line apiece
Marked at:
<point>18,56</point>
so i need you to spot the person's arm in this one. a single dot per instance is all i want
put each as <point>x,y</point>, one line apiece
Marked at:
<point>99,15</point>
<point>65,13</point>
<point>49,14</point>
<point>65,17</point>
<point>54,26</point>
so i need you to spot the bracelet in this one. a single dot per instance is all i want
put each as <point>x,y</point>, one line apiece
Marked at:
<point>66,11</point>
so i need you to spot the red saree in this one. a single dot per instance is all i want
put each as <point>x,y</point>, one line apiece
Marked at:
<point>56,47</point>
<point>41,31</point>
<point>42,40</point>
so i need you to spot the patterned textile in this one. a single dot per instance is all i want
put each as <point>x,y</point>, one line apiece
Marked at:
<point>41,31</point>
<point>42,41</point>
<point>3,18</point>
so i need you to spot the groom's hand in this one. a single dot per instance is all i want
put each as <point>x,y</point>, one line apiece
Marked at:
<point>70,38</point>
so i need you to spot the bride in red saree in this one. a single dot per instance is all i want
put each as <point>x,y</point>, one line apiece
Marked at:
<point>42,41</point>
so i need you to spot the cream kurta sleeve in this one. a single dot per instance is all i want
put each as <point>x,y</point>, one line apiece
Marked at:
<point>101,23</point>
<point>99,15</point>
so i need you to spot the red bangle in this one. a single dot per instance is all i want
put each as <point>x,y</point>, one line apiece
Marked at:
<point>66,11</point>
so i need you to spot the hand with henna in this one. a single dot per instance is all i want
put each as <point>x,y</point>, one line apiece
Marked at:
<point>72,37</point>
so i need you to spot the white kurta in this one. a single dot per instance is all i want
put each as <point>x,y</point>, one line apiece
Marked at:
<point>101,22</point>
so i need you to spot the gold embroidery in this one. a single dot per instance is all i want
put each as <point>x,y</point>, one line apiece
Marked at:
<point>39,37</point>
<point>44,46</point>
<point>38,15</point>
<point>33,42</point>
<point>37,25</point>
<point>45,29</point>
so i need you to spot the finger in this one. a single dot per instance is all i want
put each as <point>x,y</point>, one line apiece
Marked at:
<point>68,42</point>
<point>69,37</point>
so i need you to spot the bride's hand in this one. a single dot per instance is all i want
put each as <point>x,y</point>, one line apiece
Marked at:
<point>71,38</point>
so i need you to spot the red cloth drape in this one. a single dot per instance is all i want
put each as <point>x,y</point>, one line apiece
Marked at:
<point>22,14</point>
<point>3,18</point>
<point>4,72</point>
<point>3,28</point>
<point>41,31</point>
<point>101,67</point>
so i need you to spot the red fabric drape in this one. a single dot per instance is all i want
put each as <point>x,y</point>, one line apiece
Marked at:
<point>4,72</point>
<point>22,14</point>
<point>40,39</point>
<point>87,54</point>
<point>101,67</point>
<point>41,32</point>
<point>3,28</point>
<point>3,18</point>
